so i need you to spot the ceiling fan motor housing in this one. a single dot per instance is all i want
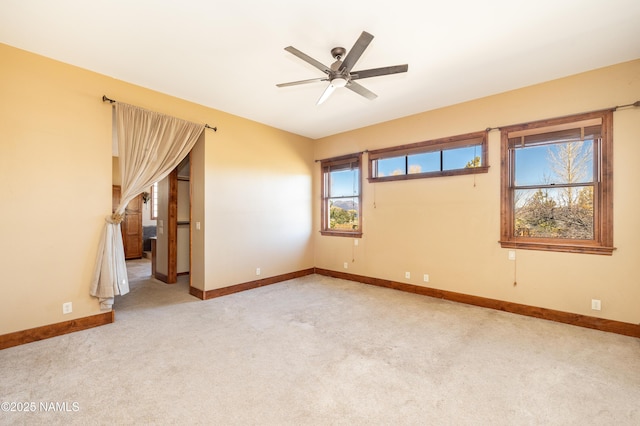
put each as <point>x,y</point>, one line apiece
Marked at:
<point>338,77</point>
<point>338,52</point>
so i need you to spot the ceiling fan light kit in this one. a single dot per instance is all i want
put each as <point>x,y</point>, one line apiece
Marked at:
<point>340,74</point>
<point>339,82</point>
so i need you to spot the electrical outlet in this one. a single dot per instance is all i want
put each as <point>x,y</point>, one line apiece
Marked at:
<point>67,308</point>
<point>426,278</point>
<point>596,304</point>
<point>346,265</point>
<point>257,271</point>
<point>407,275</point>
<point>355,242</point>
<point>512,255</point>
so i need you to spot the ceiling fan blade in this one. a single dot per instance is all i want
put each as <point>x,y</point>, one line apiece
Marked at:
<point>361,90</point>
<point>356,51</point>
<point>295,83</point>
<point>325,69</point>
<point>327,92</point>
<point>374,72</point>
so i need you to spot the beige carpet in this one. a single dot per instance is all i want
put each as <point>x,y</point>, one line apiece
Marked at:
<point>321,351</point>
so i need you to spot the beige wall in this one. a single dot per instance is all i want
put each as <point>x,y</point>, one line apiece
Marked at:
<point>55,169</point>
<point>56,173</point>
<point>260,188</point>
<point>198,250</point>
<point>448,227</point>
<point>256,192</point>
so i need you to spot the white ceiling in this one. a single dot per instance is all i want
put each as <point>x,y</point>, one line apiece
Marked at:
<point>229,55</point>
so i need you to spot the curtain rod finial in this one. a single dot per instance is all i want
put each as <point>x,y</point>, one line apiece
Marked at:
<point>215,129</point>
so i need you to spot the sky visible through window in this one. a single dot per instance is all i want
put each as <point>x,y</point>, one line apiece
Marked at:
<point>533,167</point>
<point>344,183</point>
<point>536,165</point>
<point>452,159</point>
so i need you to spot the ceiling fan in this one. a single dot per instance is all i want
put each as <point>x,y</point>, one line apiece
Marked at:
<point>340,74</point>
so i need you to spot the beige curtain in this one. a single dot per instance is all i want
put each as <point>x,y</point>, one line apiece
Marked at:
<point>150,146</point>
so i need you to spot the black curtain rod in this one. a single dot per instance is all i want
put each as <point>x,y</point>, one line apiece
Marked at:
<point>635,104</point>
<point>112,101</point>
<point>489,129</point>
<point>615,108</point>
<point>337,158</point>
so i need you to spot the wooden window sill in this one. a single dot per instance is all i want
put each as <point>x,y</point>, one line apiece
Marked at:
<point>558,247</point>
<point>342,234</point>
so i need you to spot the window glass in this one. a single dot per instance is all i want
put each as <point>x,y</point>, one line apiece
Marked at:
<point>344,182</point>
<point>343,214</point>
<point>460,158</point>
<point>424,163</point>
<point>154,201</point>
<point>394,166</point>
<point>457,155</point>
<point>555,163</point>
<point>565,213</point>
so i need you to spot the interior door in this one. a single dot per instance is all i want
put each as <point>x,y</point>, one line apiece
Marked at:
<point>131,225</point>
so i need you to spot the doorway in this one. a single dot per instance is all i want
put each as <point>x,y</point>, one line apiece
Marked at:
<point>171,255</point>
<point>131,226</point>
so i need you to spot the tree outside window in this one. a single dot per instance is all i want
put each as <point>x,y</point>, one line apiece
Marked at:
<point>341,200</point>
<point>557,185</point>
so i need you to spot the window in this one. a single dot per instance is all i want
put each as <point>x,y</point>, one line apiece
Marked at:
<point>557,184</point>
<point>341,212</point>
<point>455,155</point>
<point>154,201</point>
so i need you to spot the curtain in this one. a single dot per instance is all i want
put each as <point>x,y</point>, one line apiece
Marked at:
<point>150,146</point>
